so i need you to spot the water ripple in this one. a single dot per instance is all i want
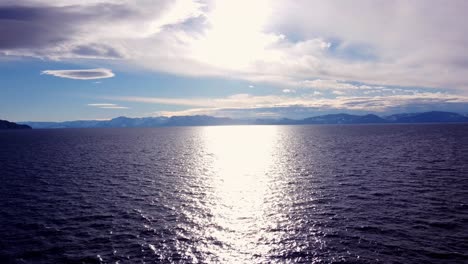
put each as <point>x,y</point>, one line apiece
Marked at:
<point>247,194</point>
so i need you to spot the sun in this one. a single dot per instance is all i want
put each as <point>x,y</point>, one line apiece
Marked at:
<point>235,37</point>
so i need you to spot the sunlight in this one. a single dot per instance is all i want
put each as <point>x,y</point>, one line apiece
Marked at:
<point>235,41</point>
<point>243,155</point>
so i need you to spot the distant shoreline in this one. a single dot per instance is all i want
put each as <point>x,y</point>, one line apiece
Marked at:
<point>433,117</point>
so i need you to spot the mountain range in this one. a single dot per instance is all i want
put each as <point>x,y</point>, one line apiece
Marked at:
<point>203,120</point>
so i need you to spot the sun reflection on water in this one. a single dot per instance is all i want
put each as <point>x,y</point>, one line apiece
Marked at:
<point>242,157</point>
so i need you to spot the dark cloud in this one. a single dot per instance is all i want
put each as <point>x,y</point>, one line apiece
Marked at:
<point>36,27</point>
<point>25,27</point>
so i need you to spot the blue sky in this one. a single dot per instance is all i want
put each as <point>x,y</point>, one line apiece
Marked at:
<point>245,59</point>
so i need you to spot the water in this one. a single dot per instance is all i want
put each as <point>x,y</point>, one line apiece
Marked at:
<point>246,194</point>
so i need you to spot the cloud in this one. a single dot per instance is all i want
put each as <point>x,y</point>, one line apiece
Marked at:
<point>88,29</point>
<point>242,105</point>
<point>329,84</point>
<point>114,107</point>
<point>108,106</point>
<point>84,74</point>
<point>304,43</point>
<point>338,92</point>
<point>103,104</point>
<point>236,100</point>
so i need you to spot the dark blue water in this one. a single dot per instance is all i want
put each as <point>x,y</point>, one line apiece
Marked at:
<point>247,194</point>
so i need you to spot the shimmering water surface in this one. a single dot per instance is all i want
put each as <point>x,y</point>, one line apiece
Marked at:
<point>240,194</point>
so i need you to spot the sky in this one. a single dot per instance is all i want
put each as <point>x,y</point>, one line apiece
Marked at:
<point>99,59</point>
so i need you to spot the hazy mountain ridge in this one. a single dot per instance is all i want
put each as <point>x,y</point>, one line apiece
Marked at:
<point>343,119</point>
<point>203,120</point>
<point>427,117</point>
<point>11,125</point>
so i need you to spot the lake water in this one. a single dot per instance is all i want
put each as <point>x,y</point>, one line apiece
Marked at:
<point>235,194</point>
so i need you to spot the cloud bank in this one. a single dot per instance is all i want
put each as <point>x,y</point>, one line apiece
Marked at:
<point>242,105</point>
<point>85,74</point>
<point>287,43</point>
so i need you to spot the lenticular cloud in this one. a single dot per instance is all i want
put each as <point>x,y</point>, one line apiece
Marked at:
<point>84,74</point>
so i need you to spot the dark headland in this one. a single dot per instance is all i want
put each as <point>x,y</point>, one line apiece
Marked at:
<point>11,125</point>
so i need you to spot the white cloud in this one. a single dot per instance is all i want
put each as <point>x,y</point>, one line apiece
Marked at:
<point>338,92</point>
<point>329,84</point>
<point>281,42</point>
<point>103,104</point>
<point>114,107</point>
<point>245,102</point>
<point>306,107</point>
<point>108,106</point>
<point>84,74</point>
<point>236,100</point>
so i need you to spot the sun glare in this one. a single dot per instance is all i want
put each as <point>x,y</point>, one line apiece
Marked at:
<point>234,41</point>
<point>242,157</point>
